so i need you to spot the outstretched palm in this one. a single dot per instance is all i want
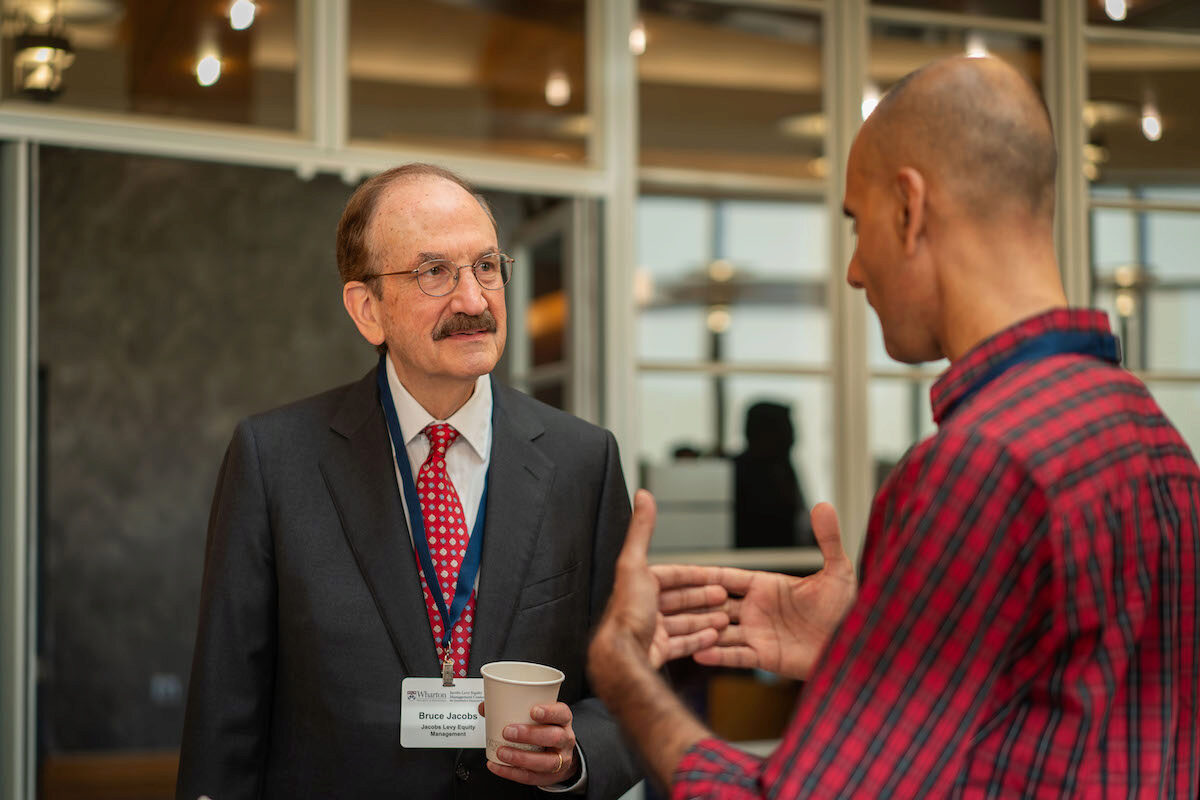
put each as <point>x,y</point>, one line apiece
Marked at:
<point>777,622</point>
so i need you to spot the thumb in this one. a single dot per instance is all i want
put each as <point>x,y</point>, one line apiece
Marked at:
<point>641,528</point>
<point>828,533</point>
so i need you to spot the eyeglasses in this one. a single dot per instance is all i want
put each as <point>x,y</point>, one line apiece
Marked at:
<point>439,278</point>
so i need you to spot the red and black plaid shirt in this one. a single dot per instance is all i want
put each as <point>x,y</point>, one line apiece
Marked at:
<point>1026,623</point>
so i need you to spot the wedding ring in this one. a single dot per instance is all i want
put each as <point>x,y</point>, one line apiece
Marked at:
<point>560,763</point>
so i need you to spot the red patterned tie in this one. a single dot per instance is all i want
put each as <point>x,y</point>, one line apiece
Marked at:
<point>446,532</point>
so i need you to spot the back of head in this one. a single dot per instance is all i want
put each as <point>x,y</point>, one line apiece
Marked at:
<point>978,129</point>
<point>769,430</point>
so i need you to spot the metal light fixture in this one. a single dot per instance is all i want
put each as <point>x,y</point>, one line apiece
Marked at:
<point>39,63</point>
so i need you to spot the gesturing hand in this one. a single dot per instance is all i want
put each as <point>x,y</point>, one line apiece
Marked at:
<point>776,622</point>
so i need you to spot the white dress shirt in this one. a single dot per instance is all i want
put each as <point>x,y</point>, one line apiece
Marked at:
<point>467,459</point>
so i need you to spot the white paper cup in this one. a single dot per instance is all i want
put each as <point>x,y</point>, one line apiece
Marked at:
<point>510,690</point>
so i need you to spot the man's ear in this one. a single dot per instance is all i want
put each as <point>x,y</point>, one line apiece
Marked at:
<point>364,308</point>
<point>911,188</point>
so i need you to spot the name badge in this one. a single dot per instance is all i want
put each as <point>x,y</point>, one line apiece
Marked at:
<point>433,715</point>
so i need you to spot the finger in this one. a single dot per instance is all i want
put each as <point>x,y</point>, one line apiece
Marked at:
<point>671,576</point>
<point>683,624</point>
<point>731,636</point>
<point>553,737</point>
<point>829,535</point>
<point>641,528</point>
<point>681,646</point>
<point>733,609</point>
<point>527,776</point>
<point>481,709</point>
<point>545,762</point>
<point>736,581</point>
<point>551,714</point>
<point>693,597</point>
<point>742,657</point>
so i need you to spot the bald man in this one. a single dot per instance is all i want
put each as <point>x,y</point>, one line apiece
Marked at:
<point>1025,621</point>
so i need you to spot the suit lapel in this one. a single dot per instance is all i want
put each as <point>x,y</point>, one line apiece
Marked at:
<point>360,474</point>
<point>519,479</point>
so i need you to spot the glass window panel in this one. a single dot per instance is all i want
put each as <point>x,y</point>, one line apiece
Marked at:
<point>1181,403</point>
<point>753,272</point>
<point>1172,241</point>
<point>694,451</point>
<point>1145,275</point>
<point>900,416</point>
<point>547,318</point>
<point>898,49</point>
<point>674,236</point>
<point>1016,9</point>
<point>778,239</point>
<point>675,333</point>
<point>1161,14</point>
<point>1158,330</point>
<point>1141,116</point>
<point>809,405</point>
<point>675,414</point>
<point>1114,239</point>
<point>501,78</point>
<point>731,88</point>
<point>777,334</point>
<point>165,315</point>
<point>143,57</point>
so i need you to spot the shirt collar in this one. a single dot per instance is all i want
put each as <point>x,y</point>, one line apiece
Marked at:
<point>963,375</point>
<point>473,421</point>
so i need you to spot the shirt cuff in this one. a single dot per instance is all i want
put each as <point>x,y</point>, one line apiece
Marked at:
<point>580,784</point>
<point>712,763</point>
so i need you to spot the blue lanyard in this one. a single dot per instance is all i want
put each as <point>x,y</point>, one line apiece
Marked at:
<point>470,564</point>
<point>1104,346</point>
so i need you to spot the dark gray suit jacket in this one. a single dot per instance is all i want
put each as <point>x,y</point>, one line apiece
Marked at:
<point>311,611</point>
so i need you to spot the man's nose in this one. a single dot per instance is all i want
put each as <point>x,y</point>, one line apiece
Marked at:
<point>852,273</point>
<point>468,296</point>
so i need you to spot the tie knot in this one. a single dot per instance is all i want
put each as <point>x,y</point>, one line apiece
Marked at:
<point>440,435</point>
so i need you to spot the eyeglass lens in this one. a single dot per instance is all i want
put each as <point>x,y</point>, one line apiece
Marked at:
<point>439,277</point>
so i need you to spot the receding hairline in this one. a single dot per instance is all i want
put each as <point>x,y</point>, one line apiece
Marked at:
<point>353,240</point>
<point>401,181</point>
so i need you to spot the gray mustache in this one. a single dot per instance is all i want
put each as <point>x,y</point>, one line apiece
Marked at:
<point>465,322</point>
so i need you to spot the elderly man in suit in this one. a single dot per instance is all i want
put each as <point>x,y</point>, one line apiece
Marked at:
<point>420,522</point>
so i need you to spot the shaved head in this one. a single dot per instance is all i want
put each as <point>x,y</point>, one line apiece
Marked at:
<point>976,128</point>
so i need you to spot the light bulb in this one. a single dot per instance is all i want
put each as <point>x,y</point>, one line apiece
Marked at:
<point>718,319</point>
<point>41,77</point>
<point>40,13</point>
<point>976,46</point>
<point>870,99</point>
<point>1152,127</point>
<point>1115,9</point>
<point>241,14</point>
<point>558,88</point>
<point>208,70</point>
<point>720,270</point>
<point>637,38</point>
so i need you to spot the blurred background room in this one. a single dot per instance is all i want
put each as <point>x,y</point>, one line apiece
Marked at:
<point>668,175</point>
